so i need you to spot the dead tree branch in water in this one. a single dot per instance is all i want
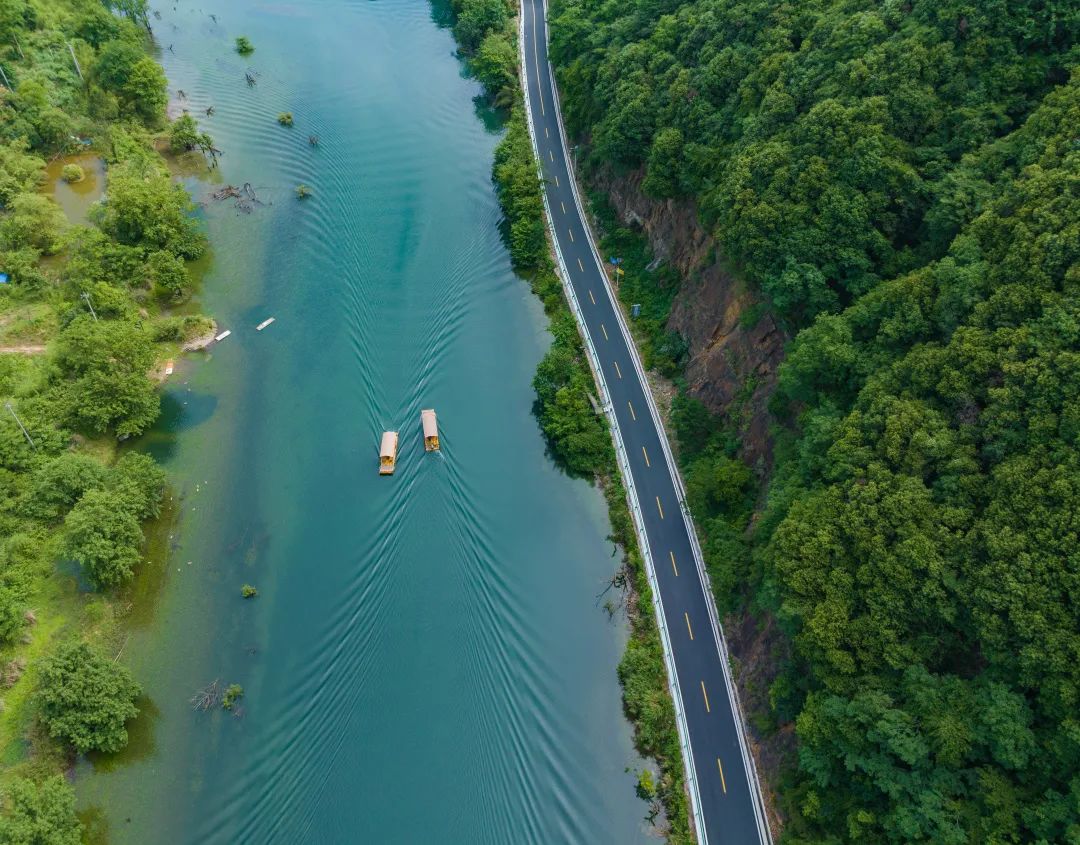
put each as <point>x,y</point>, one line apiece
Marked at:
<point>207,697</point>
<point>245,196</point>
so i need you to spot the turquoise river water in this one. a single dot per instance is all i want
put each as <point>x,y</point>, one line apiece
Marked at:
<point>427,660</point>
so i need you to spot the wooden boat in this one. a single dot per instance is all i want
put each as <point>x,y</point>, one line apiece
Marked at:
<point>388,453</point>
<point>431,430</point>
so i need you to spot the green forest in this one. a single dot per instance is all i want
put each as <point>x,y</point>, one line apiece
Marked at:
<point>900,183</point>
<point>86,321</point>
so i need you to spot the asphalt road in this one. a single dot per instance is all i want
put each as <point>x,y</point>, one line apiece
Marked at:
<point>728,807</point>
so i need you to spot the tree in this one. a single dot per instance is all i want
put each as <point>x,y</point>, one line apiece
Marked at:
<point>148,210</point>
<point>85,699</point>
<point>59,483</point>
<point>184,136</point>
<point>32,220</point>
<point>104,537</point>
<point>12,18</point>
<point>40,813</point>
<point>20,172</point>
<point>137,80</point>
<point>495,65</point>
<point>140,482</point>
<point>476,18</point>
<point>104,366</point>
<point>167,274</point>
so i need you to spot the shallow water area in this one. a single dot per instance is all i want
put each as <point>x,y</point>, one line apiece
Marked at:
<point>427,659</point>
<point>76,198</point>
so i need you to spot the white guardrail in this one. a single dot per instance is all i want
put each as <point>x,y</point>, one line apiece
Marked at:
<point>764,833</point>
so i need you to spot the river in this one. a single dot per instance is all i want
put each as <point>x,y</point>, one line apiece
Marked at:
<point>427,660</point>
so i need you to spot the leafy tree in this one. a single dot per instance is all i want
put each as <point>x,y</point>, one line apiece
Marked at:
<point>59,483</point>
<point>85,699</point>
<point>476,18</point>
<point>140,482</point>
<point>20,172</point>
<point>32,220</point>
<point>167,273</point>
<point>104,537</point>
<point>150,211</point>
<point>495,65</point>
<point>40,813</point>
<point>138,82</point>
<point>104,366</point>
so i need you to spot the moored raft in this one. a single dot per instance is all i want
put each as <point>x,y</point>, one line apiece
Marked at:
<point>388,453</point>
<point>431,430</point>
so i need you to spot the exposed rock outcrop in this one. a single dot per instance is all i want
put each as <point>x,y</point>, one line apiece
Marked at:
<point>734,349</point>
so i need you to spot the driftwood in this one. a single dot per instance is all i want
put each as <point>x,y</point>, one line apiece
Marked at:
<point>245,196</point>
<point>313,140</point>
<point>207,697</point>
<point>250,77</point>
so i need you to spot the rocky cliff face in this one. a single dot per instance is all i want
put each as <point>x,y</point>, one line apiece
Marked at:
<point>734,350</point>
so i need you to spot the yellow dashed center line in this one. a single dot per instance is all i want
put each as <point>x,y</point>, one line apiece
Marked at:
<point>688,628</point>
<point>582,268</point>
<point>604,331</point>
<point>571,232</point>
<point>723,783</point>
<point>593,298</point>
<point>536,58</point>
<point>632,414</point>
<point>646,454</point>
<point>673,566</point>
<point>659,507</point>
<point>707,708</point>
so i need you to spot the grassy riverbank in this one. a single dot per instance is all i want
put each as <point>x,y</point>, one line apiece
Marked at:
<point>577,435</point>
<point>86,322</point>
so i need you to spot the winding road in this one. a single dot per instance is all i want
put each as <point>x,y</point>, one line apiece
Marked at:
<point>725,795</point>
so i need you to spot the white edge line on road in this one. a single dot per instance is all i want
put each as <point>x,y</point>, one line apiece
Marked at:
<point>620,452</point>
<point>764,832</point>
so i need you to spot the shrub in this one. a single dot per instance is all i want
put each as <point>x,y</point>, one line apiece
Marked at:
<point>248,592</point>
<point>303,192</point>
<point>244,47</point>
<point>232,695</point>
<point>72,173</point>
<point>285,118</point>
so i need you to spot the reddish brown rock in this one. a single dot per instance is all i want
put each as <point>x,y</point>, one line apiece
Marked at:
<point>734,354</point>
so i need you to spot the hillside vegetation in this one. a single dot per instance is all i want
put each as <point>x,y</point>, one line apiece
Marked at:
<point>901,182</point>
<point>84,321</point>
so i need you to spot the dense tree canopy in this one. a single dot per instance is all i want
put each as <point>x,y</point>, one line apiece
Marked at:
<point>816,135</point>
<point>902,183</point>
